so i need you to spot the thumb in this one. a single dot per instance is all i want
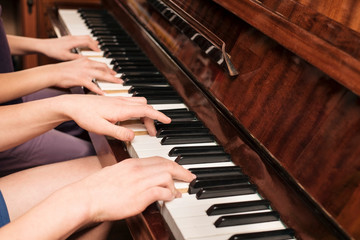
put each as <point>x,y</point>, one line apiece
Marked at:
<point>117,132</point>
<point>71,56</point>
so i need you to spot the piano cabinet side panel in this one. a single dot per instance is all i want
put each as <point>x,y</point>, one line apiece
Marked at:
<point>305,119</point>
<point>345,12</point>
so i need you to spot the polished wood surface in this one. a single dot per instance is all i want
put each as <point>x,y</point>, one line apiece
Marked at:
<point>295,116</point>
<point>290,118</point>
<point>345,12</point>
<point>301,29</point>
<point>28,28</point>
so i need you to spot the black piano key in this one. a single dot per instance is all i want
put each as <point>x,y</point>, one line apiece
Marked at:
<point>150,93</point>
<point>117,28</point>
<point>182,116</point>
<point>182,132</point>
<point>123,59</point>
<point>169,111</point>
<point>130,50</point>
<point>113,44</point>
<point>124,43</point>
<point>92,10</point>
<point>100,24</point>
<point>216,171</point>
<point>160,99</point>
<point>177,125</point>
<point>168,13</point>
<point>89,18</point>
<point>227,191</point>
<point>130,63</point>
<point>189,31</point>
<point>197,184</point>
<point>212,181</point>
<point>98,18</point>
<point>145,82</point>
<point>107,48</point>
<point>119,39</point>
<point>202,158</point>
<point>88,13</point>
<point>144,75</point>
<point>96,32</point>
<point>195,150</point>
<point>141,68</point>
<point>108,45</point>
<point>243,219</point>
<point>237,207</point>
<point>282,234</point>
<point>123,54</point>
<point>175,139</point>
<point>141,89</point>
<point>168,91</point>
<point>107,31</point>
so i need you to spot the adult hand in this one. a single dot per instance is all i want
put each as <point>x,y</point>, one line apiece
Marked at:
<point>99,114</point>
<point>127,188</point>
<point>61,48</point>
<point>81,72</point>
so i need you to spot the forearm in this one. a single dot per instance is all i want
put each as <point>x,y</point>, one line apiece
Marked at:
<point>56,217</point>
<point>24,45</point>
<point>17,84</point>
<point>21,122</point>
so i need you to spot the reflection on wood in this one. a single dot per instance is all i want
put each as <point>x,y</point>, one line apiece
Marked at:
<point>290,119</point>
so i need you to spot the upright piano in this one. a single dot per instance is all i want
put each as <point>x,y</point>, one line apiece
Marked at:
<point>264,97</point>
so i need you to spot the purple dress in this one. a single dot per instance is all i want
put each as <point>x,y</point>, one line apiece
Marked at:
<point>50,147</point>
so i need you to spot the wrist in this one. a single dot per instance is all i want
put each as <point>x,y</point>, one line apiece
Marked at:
<point>77,203</point>
<point>39,45</point>
<point>62,107</point>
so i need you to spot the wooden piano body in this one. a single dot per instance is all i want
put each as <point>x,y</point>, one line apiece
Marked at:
<point>290,117</point>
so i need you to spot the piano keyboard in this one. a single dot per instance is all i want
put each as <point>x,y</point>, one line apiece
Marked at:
<point>220,203</point>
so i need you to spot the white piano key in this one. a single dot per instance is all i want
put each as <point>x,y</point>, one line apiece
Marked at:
<point>112,86</point>
<point>185,215</point>
<point>189,201</point>
<point>118,94</point>
<point>73,22</point>
<point>164,153</point>
<point>204,228</point>
<point>147,142</point>
<point>181,185</point>
<point>202,220</point>
<point>136,127</point>
<point>168,106</point>
<point>208,165</point>
<point>92,53</point>
<point>107,61</point>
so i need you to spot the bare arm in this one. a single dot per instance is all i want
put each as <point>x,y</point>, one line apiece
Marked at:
<point>21,122</point>
<point>103,196</point>
<point>79,72</point>
<point>57,48</point>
